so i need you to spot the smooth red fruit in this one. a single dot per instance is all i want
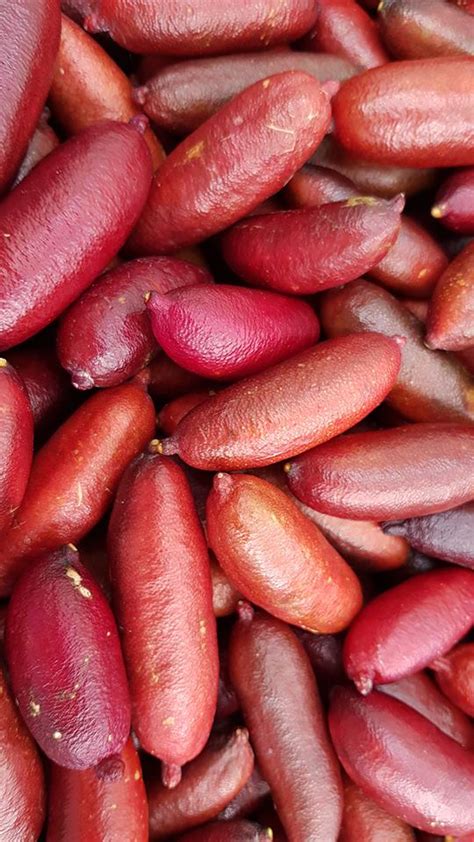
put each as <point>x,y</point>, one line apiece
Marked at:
<point>455,675</point>
<point>29,40</point>
<point>421,693</point>
<point>43,141</point>
<point>445,535</point>
<point>22,784</point>
<point>106,337</point>
<point>363,819</point>
<point>88,87</point>
<point>65,664</point>
<point>346,30</point>
<point>16,442</point>
<point>229,832</point>
<point>431,386</point>
<point>235,160</point>
<point>405,628</point>
<point>208,784</point>
<point>83,805</point>
<point>159,562</point>
<point>289,407</point>
<point>182,96</point>
<point>306,251</point>
<point>248,800</point>
<point>402,761</point>
<point>411,113</point>
<point>169,29</point>
<point>451,313</point>
<point>411,29</point>
<point>224,332</point>
<point>277,691</point>
<point>415,261</point>
<point>454,203</point>
<point>390,474</point>
<point>225,597</point>
<point>48,254</point>
<point>75,474</point>
<point>277,558</point>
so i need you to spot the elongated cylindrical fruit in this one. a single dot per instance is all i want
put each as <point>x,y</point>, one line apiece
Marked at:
<point>277,558</point>
<point>75,474</point>
<point>181,96</point>
<point>248,800</point>
<point>455,675</point>
<point>16,440</point>
<point>209,783</point>
<point>65,664</point>
<point>22,784</point>
<point>388,474</point>
<point>451,312</point>
<point>49,255</point>
<point>159,561</point>
<point>403,761</point>
<point>272,676</point>
<point>88,87</point>
<point>431,386</point>
<point>225,332</point>
<point>419,692</point>
<point>412,113</point>
<point>290,406</point>
<point>363,819</point>
<point>29,39</point>
<point>344,29</point>
<point>106,337</point>
<point>168,28</point>
<point>42,142</point>
<point>420,310</point>
<point>306,251</point>
<point>445,535</point>
<point>454,203</point>
<point>235,160</point>
<point>84,805</point>
<point>411,29</point>
<point>238,831</point>
<point>405,628</point>
<point>415,261</point>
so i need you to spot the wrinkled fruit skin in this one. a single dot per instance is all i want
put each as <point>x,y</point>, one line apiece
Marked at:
<point>455,676</point>
<point>420,30</point>
<point>16,442</point>
<point>343,28</point>
<point>451,311</point>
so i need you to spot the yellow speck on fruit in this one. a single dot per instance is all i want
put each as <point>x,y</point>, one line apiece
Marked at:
<point>121,299</point>
<point>113,806</point>
<point>380,6</point>
<point>137,776</point>
<point>287,467</point>
<point>437,211</point>
<point>423,273</point>
<point>361,200</point>
<point>202,628</point>
<point>195,151</point>
<point>168,721</point>
<point>76,580</point>
<point>108,634</point>
<point>269,833</point>
<point>155,446</point>
<point>3,362</point>
<point>35,708</point>
<point>265,83</point>
<point>57,735</point>
<point>109,738</point>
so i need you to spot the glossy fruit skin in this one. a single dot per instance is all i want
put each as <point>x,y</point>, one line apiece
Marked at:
<point>415,470</point>
<point>403,629</point>
<point>82,805</point>
<point>50,257</point>
<point>454,203</point>
<point>181,96</point>
<point>344,29</point>
<point>223,332</point>
<point>29,43</point>
<point>455,675</point>
<point>80,466</point>
<point>105,337</point>
<point>238,831</point>
<point>22,784</point>
<point>277,558</point>
<point>47,385</point>
<point>88,87</point>
<point>272,676</point>
<point>165,28</point>
<point>415,261</point>
<point>172,413</point>
<point>309,250</point>
<point>248,800</point>
<point>282,411</point>
<point>449,323</point>
<point>411,29</point>
<point>163,379</point>
<point>159,561</point>
<point>421,693</point>
<point>42,142</point>
<point>208,784</point>
<point>16,442</point>
<point>431,386</point>
<point>207,183</point>
<point>364,819</point>
<point>403,761</point>
<point>65,663</point>
<point>445,535</point>
<point>409,100</point>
